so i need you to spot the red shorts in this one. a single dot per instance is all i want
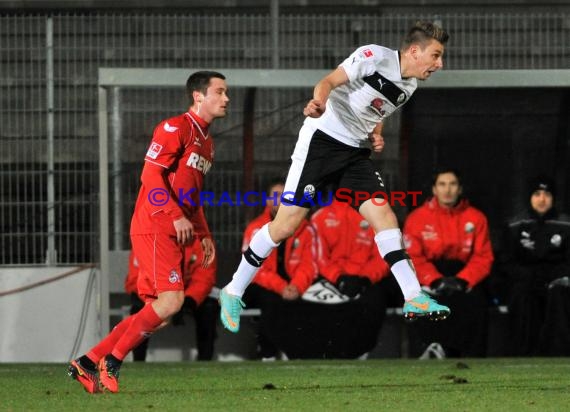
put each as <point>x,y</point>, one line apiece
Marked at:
<point>160,260</point>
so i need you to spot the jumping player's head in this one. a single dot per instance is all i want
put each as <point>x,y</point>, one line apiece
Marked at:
<point>422,50</point>
<point>207,93</point>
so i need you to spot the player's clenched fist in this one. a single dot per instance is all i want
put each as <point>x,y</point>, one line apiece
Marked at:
<point>377,141</point>
<point>314,108</point>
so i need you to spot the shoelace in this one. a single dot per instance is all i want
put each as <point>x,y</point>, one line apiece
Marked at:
<point>236,309</point>
<point>112,370</point>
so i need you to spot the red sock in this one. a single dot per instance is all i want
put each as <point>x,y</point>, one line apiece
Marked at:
<point>144,323</point>
<point>108,343</point>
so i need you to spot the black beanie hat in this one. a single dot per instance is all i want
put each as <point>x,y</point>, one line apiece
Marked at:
<point>542,183</point>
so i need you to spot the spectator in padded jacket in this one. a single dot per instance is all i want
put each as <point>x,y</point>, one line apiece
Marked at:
<point>536,267</point>
<point>448,242</point>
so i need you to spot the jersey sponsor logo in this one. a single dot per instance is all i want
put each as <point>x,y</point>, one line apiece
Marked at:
<point>389,90</point>
<point>199,162</point>
<point>154,150</point>
<point>170,128</point>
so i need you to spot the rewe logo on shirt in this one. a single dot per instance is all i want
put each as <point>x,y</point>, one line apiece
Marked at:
<point>199,162</point>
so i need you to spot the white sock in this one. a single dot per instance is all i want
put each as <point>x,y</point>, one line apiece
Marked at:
<point>388,241</point>
<point>261,245</point>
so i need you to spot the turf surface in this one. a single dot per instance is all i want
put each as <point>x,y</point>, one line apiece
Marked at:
<point>374,385</point>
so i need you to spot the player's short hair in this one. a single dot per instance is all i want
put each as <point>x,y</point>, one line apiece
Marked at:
<point>199,82</point>
<point>422,32</point>
<point>445,169</point>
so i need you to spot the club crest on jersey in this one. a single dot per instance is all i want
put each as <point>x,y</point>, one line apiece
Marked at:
<point>469,227</point>
<point>174,277</point>
<point>154,150</point>
<point>309,192</point>
<point>376,105</point>
<point>199,162</point>
<point>556,240</point>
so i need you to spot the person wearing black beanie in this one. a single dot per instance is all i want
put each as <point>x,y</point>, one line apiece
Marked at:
<point>541,193</point>
<point>544,183</point>
<point>536,266</point>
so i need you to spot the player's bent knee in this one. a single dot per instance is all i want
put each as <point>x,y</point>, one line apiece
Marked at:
<point>380,216</point>
<point>286,222</point>
<point>169,304</point>
<point>282,232</point>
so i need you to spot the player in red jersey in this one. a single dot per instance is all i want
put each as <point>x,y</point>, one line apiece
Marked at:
<point>167,216</point>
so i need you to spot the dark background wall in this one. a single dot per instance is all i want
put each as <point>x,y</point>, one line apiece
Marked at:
<point>497,138</point>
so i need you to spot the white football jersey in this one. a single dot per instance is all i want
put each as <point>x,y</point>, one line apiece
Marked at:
<point>375,89</point>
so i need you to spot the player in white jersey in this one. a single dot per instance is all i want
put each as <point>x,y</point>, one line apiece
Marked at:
<point>344,123</point>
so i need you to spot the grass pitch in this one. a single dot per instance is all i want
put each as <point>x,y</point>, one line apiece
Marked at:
<point>375,385</point>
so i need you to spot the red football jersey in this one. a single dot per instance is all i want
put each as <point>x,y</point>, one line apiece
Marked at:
<point>179,156</point>
<point>432,233</point>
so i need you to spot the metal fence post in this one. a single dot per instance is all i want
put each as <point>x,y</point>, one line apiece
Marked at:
<point>51,257</point>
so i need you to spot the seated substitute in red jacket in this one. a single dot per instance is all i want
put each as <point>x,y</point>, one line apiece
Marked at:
<point>282,278</point>
<point>448,242</point>
<point>347,254</point>
<point>198,283</point>
<point>291,268</point>
<point>340,315</point>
